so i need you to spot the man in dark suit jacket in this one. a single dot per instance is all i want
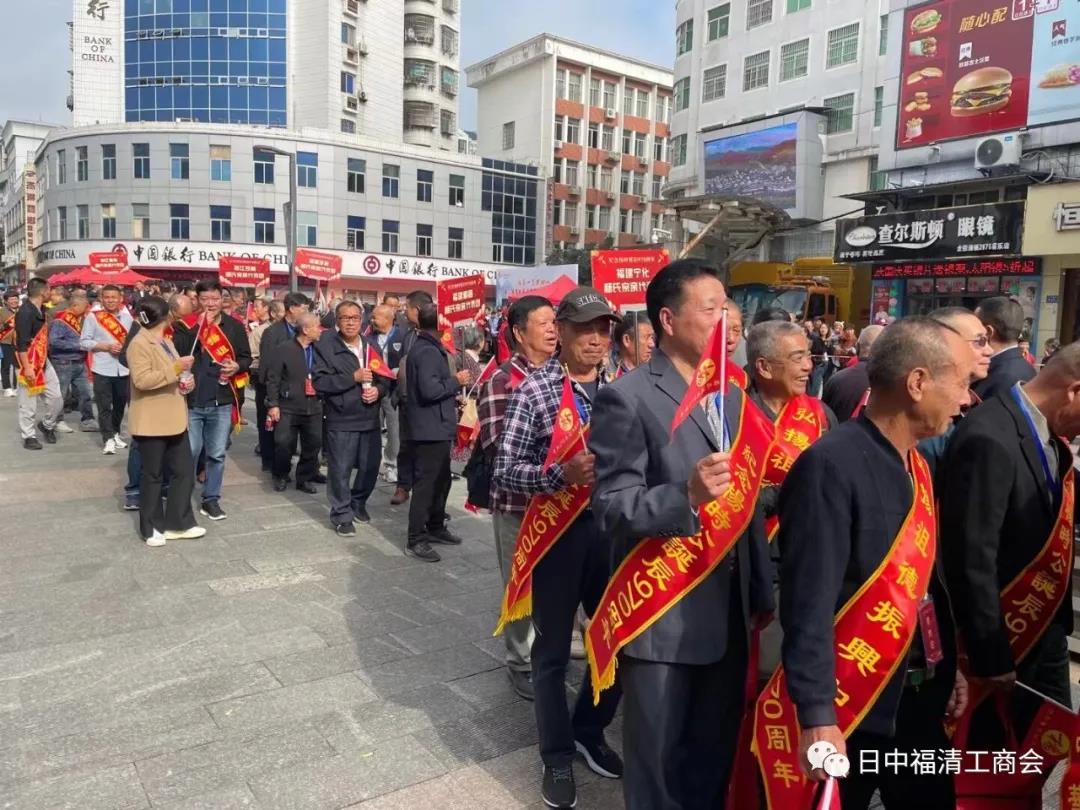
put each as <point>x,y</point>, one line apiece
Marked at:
<point>280,331</point>
<point>406,457</point>
<point>999,504</point>
<point>292,403</point>
<point>683,677</point>
<point>845,391</point>
<point>1004,320</point>
<point>431,411</point>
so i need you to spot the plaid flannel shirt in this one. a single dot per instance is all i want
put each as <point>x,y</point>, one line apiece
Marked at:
<point>491,409</point>
<point>527,428</point>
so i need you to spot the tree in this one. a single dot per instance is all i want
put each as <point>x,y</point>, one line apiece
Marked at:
<point>582,257</point>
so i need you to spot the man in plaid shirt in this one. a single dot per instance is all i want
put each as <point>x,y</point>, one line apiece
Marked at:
<point>575,570</point>
<point>532,330</point>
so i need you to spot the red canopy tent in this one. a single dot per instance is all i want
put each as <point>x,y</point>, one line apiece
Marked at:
<point>555,291</point>
<point>64,278</point>
<point>87,275</point>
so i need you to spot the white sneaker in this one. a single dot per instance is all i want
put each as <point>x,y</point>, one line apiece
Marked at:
<point>120,443</point>
<point>9,392</point>
<point>110,448</point>
<point>63,427</point>
<point>156,540</point>
<point>193,533</point>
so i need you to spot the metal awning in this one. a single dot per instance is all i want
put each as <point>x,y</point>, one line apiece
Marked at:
<point>732,222</point>
<point>892,194</point>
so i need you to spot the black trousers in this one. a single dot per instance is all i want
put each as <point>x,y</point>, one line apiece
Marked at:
<point>918,727</point>
<point>165,458</point>
<point>690,715</point>
<point>110,396</point>
<point>266,437</point>
<point>407,474</point>
<point>430,489</point>
<point>573,572</point>
<point>7,367</point>
<point>348,450</point>
<point>308,427</point>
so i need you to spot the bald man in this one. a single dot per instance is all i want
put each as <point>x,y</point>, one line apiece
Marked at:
<point>386,335</point>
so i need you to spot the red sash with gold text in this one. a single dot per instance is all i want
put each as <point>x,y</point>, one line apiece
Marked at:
<point>737,376</point>
<point>111,324</point>
<point>217,345</point>
<point>660,571</point>
<point>73,322</point>
<point>872,633</point>
<point>801,422</point>
<point>7,328</point>
<point>32,375</point>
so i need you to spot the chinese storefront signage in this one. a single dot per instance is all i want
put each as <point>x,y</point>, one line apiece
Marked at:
<point>1023,266</point>
<point>1067,216</point>
<point>623,275</point>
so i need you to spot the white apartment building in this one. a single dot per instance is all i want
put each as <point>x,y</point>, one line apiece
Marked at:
<point>747,72</point>
<point>597,124</point>
<point>19,141</point>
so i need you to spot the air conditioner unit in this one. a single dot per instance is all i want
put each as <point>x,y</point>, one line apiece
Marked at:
<point>613,157</point>
<point>362,96</point>
<point>999,150</point>
<point>610,195</point>
<point>361,46</point>
<point>640,198</point>
<point>609,112</point>
<point>573,191</point>
<point>351,56</point>
<point>643,163</point>
<point>574,232</point>
<point>558,144</point>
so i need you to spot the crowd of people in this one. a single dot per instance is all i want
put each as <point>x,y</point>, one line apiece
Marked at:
<point>754,549</point>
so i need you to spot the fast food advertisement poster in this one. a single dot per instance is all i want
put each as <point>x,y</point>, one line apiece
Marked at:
<point>965,70</point>
<point>1055,65</point>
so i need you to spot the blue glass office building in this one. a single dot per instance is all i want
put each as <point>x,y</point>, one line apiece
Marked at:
<point>217,61</point>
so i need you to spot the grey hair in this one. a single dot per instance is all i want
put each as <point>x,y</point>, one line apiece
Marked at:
<point>306,319</point>
<point>471,338</point>
<point>909,343</point>
<point>174,301</point>
<point>277,307</point>
<point>866,339</point>
<point>762,338</point>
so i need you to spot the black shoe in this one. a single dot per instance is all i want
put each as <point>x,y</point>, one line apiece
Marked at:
<point>308,487</point>
<point>443,536</point>
<point>32,443</point>
<point>318,478</point>
<point>522,683</point>
<point>131,502</point>
<point>600,758</point>
<point>360,515</point>
<point>50,435</point>
<point>212,510</point>
<point>422,551</point>
<point>280,485</point>
<point>559,789</point>
<point>345,530</point>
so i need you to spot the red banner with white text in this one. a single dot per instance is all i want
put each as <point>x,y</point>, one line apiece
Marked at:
<point>108,263</point>
<point>622,275</point>
<point>318,266</point>
<point>237,271</point>
<point>460,300</point>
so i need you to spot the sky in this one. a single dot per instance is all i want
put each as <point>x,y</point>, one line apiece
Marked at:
<point>35,57</point>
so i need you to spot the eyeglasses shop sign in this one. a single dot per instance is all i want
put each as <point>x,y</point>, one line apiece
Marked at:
<point>938,233</point>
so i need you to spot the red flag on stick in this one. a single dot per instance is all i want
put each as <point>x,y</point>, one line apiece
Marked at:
<point>378,365</point>
<point>568,428</point>
<point>710,375</point>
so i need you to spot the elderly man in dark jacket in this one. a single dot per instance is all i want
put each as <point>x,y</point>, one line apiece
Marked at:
<point>351,395</point>
<point>431,413</point>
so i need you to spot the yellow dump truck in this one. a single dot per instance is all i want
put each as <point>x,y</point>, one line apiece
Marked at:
<point>810,288</point>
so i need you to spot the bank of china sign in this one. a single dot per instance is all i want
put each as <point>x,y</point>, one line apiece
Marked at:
<point>94,45</point>
<point>939,233</point>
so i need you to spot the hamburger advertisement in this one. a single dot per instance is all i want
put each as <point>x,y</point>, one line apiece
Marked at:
<point>975,67</point>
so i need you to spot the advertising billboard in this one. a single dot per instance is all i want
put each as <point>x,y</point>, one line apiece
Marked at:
<point>974,67</point>
<point>760,164</point>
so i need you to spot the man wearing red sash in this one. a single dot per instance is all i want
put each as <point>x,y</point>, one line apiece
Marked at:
<point>37,377</point>
<point>633,338</point>
<point>736,347</point>
<point>1007,532</point>
<point>8,367</point>
<point>846,391</point>
<point>682,662</point>
<point>572,569</point>
<point>69,360</point>
<point>868,662</point>
<point>103,335</point>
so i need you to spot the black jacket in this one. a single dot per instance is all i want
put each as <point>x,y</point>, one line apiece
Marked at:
<point>285,378</point>
<point>430,406</point>
<point>641,491</point>
<point>275,334</point>
<point>408,340</point>
<point>995,515</point>
<point>845,389</point>
<point>332,375</point>
<point>204,370</point>
<point>1006,369</point>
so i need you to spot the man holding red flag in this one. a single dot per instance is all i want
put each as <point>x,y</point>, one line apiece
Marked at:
<point>678,466</point>
<point>104,333</point>
<point>560,560</point>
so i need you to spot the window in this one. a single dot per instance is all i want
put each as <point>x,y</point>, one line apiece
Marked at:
<point>717,20</point>
<point>62,221</point>
<point>640,141</point>
<point>354,232</point>
<point>82,164</point>
<point>678,150</point>
<point>425,185</point>
<point>457,188</point>
<point>659,148</point>
<point>592,172</point>
<point>756,71</point>
<point>220,223</point>
<point>594,136</point>
<point>878,179</point>
<point>108,220</point>
<point>794,60</point>
<point>664,113</point>
<point>573,130</point>
<point>264,167</point>
<point>557,171</point>
<point>841,113</point>
<point>571,172</point>
<point>657,185</point>
<point>179,164</point>
<point>82,221</point>
<point>221,164</point>
<point>883,36</point>
<point>570,213</point>
<point>355,183</point>
<point>179,221</point>
<point>140,220</point>
<point>624,221</point>
<point>606,179</point>
<point>61,166</point>
<point>558,127</point>
<point>573,86</point>
<point>455,246</point>
<point>560,84</point>
<point>843,46</point>
<point>307,228</point>
<point>590,216</point>
<point>797,5</point>
<point>684,37</point>
<point>348,82</point>
<point>389,236</point>
<point>307,169</point>
<point>758,12</point>
<point>264,226</point>
<point>628,101</point>
<point>682,94</point>
<point>609,95</point>
<point>423,240</point>
<point>108,161</point>
<point>391,179</point>
<point>348,33</point>
<point>508,135</point>
<point>714,83</point>
<point>627,141</point>
<point>642,104</point>
<point>594,92</point>
<point>348,127</point>
<point>603,219</point>
<point>879,104</point>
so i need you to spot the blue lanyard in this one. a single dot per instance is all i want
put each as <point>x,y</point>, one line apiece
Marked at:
<point>1051,482</point>
<point>718,401</point>
<point>309,356</point>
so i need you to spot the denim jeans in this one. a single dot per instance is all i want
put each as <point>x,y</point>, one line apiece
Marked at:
<point>72,373</point>
<point>208,429</point>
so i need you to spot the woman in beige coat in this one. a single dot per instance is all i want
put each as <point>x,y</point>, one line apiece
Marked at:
<point>158,419</point>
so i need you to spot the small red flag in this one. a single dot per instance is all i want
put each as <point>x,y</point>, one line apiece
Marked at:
<point>567,430</point>
<point>487,372</point>
<point>709,376</point>
<point>377,365</point>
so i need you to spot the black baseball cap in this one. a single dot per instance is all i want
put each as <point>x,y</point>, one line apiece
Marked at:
<point>584,304</point>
